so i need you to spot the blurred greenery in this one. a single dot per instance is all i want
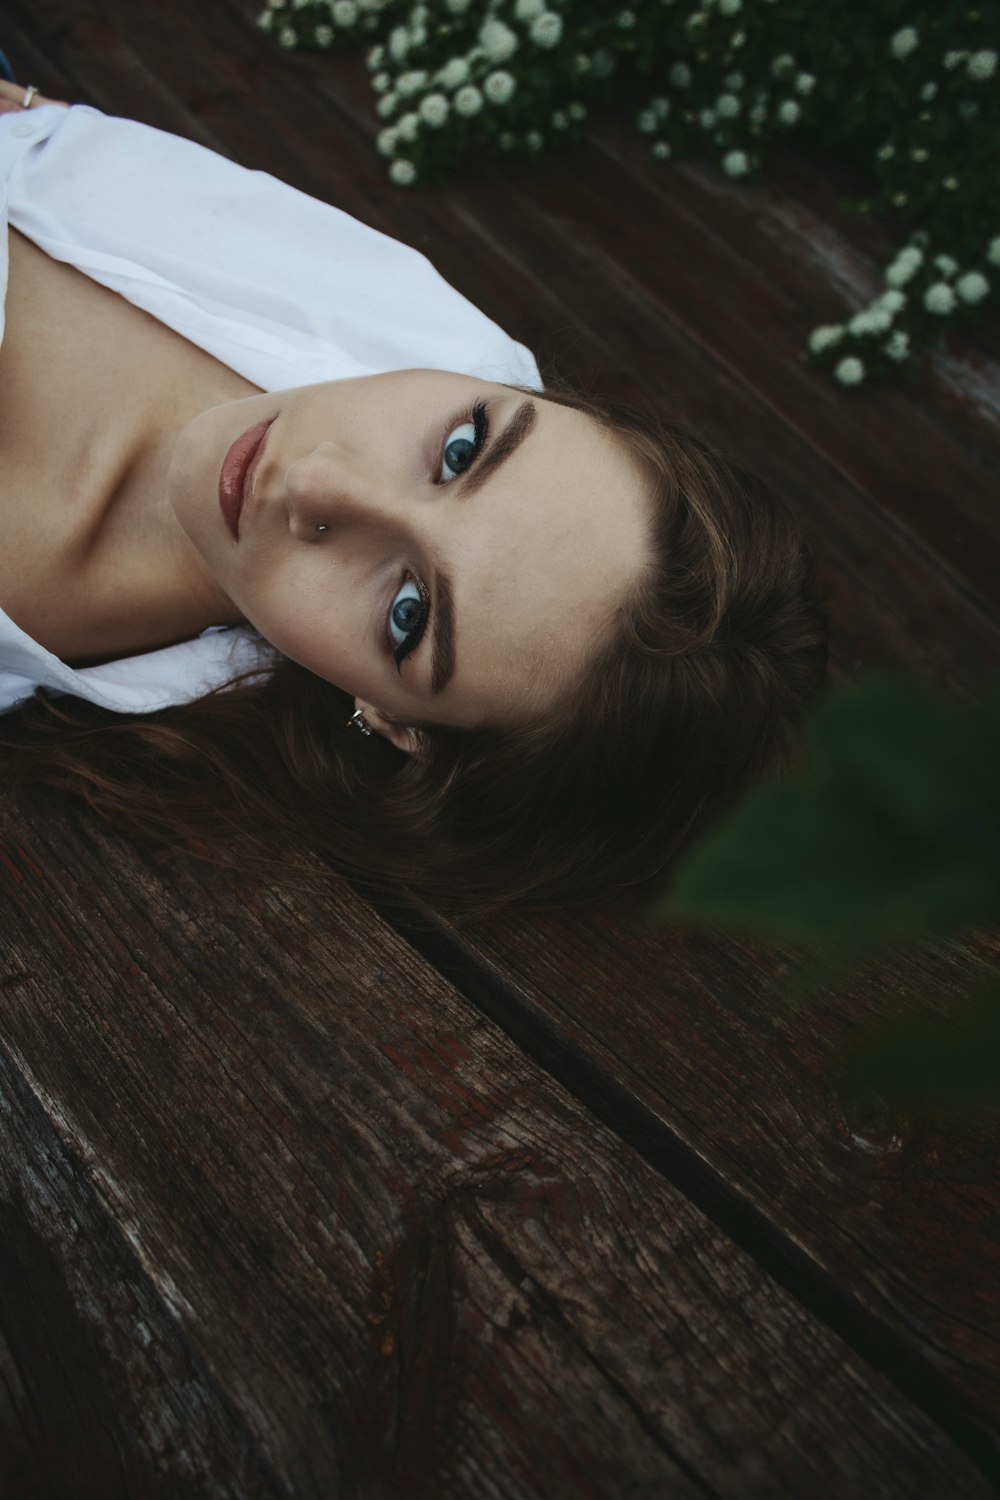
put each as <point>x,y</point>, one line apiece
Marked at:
<point>889,838</point>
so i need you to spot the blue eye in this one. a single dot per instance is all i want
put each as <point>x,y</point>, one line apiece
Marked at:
<point>408,616</point>
<point>464,443</point>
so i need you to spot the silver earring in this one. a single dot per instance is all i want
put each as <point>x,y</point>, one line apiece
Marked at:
<point>358,721</point>
<point>322,528</point>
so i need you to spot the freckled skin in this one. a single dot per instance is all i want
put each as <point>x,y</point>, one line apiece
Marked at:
<point>538,558</point>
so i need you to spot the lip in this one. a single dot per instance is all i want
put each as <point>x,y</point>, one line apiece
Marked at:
<point>237,473</point>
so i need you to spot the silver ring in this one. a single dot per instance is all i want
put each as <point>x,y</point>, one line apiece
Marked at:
<point>29,94</point>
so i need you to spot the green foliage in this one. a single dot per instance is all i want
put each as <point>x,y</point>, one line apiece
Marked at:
<point>911,92</point>
<point>889,835</point>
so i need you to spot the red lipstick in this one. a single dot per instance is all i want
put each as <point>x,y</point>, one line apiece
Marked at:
<point>238,469</point>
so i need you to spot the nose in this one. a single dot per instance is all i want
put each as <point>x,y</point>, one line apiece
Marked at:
<point>326,491</point>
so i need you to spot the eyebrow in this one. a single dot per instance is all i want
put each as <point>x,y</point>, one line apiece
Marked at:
<point>443,623</point>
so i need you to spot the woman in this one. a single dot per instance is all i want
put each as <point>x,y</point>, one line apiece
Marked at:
<point>304,526</point>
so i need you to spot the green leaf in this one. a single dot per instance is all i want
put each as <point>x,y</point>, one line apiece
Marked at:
<point>892,830</point>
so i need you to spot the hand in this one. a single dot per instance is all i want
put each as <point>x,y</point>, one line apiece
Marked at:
<point>12,97</point>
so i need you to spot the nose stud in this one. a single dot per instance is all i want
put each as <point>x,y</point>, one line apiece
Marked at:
<point>322,528</point>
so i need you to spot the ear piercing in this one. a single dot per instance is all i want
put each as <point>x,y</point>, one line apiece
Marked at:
<point>358,721</point>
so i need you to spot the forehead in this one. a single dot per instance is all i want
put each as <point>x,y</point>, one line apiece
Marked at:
<point>555,541</point>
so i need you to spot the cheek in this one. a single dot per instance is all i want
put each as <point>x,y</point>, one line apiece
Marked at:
<point>305,620</point>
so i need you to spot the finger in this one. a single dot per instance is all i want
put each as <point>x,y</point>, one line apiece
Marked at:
<point>12,95</point>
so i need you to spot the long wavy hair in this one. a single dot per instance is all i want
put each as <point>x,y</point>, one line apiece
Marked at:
<point>695,695</point>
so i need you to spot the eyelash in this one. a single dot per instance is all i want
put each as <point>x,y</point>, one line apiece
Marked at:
<point>479,417</point>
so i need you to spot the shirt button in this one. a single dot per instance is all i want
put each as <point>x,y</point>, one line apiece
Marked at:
<point>23,129</point>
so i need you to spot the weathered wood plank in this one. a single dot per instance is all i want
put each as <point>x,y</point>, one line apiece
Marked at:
<point>900,1214</point>
<point>404,1259</point>
<point>101,1395</point>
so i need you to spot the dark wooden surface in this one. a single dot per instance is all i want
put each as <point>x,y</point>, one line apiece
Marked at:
<point>298,1202</point>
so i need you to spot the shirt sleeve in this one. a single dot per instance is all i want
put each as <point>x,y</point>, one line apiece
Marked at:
<point>281,287</point>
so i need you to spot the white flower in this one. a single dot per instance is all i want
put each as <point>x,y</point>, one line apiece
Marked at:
<point>582,63</point>
<point>408,125</point>
<point>886,152</point>
<point>661,150</point>
<point>376,57</point>
<point>386,105</point>
<point>825,337</point>
<point>576,110</point>
<point>647,121</point>
<point>903,43</point>
<point>946,264</point>
<point>892,301</point>
<point>730,7</point>
<point>323,36</point>
<point>660,107</point>
<point>625,19</point>
<point>546,29</point>
<point>706,119</point>
<point>972,287</point>
<point>897,347</point>
<point>454,73</point>
<point>929,92</point>
<point>381,82</point>
<point>727,106</point>
<point>468,101</point>
<point>939,298</point>
<point>499,87</point>
<point>457,7</point>
<point>534,140</point>
<point>402,172</point>
<point>265,20</point>
<point>527,10</point>
<point>300,4</point>
<point>789,112</point>
<point>385,141</point>
<point>951,183</point>
<point>953,60</point>
<point>433,109</point>
<point>344,12</point>
<point>287,37</point>
<point>782,65</point>
<point>560,119</point>
<point>981,65</point>
<point>993,251</point>
<point>497,40</point>
<point>680,75</point>
<point>399,43</point>
<point>411,82</point>
<point>850,371</point>
<point>873,320</point>
<point>735,164</point>
<point>734,81</point>
<point>903,268</point>
<point>805,83</point>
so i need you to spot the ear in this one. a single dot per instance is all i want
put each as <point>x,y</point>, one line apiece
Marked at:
<point>403,736</point>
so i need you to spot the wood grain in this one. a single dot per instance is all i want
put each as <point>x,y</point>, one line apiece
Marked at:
<point>401,1259</point>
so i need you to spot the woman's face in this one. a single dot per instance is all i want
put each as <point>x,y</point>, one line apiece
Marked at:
<point>476,541</point>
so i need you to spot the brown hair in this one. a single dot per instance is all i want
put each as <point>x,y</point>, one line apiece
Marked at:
<point>694,697</point>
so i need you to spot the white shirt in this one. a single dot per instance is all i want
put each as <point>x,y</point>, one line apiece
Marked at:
<point>283,289</point>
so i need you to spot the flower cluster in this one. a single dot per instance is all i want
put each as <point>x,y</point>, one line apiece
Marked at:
<point>912,99</point>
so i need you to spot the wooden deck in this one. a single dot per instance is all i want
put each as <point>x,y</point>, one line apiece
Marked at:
<point>299,1203</point>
